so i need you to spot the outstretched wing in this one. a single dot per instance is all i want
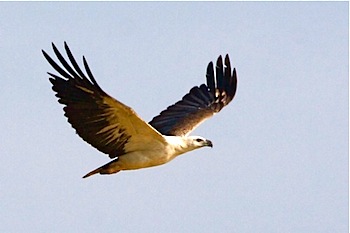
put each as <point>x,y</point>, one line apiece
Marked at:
<point>200,103</point>
<point>102,121</point>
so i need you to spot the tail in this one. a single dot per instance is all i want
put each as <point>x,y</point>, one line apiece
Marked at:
<point>109,168</point>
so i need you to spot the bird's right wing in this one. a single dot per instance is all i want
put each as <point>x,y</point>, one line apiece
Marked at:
<point>102,121</point>
<point>200,103</point>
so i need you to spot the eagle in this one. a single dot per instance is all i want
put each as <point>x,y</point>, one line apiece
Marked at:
<point>116,130</point>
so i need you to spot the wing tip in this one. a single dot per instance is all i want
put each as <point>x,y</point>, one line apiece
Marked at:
<point>219,62</point>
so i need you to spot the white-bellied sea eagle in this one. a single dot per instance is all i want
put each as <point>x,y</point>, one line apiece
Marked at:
<point>115,129</point>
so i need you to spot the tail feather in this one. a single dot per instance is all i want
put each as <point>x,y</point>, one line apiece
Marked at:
<point>108,168</point>
<point>93,172</point>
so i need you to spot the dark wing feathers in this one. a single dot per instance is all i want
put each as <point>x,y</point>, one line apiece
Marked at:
<point>84,104</point>
<point>200,103</point>
<point>114,128</point>
<point>100,120</point>
<point>210,80</point>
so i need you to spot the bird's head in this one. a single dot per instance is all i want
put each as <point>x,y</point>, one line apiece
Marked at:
<point>198,142</point>
<point>186,144</point>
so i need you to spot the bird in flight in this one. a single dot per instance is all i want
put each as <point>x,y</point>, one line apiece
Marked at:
<point>116,130</point>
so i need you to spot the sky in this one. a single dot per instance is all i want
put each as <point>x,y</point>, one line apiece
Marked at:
<point>280,157</point>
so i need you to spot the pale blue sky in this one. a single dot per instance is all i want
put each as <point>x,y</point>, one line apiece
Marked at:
<point>280,156</point>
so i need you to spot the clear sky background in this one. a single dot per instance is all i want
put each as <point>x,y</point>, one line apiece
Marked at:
<point>280,156</point>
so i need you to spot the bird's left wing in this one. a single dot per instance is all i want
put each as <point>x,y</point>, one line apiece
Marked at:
<point>200,103</point>
<point>102,121</point>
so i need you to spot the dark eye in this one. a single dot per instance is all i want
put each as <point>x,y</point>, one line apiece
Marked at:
<point>199,140</point>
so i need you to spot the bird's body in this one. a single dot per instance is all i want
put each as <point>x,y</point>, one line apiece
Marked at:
<point>155,154</point>
<point>115,129</point>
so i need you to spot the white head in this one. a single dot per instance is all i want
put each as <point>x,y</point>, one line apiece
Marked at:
<point>195,142</point>
<point>182,145</point>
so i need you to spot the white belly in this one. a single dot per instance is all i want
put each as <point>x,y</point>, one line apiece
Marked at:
<point>137,160</point>
<point>154,155</point>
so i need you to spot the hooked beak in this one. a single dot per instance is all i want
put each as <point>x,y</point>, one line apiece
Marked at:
<point>209,143</point>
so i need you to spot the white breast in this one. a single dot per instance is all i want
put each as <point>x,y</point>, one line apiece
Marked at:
<point>159,154</point>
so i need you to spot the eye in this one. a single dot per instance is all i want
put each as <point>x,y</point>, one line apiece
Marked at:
<point>199,140</point>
